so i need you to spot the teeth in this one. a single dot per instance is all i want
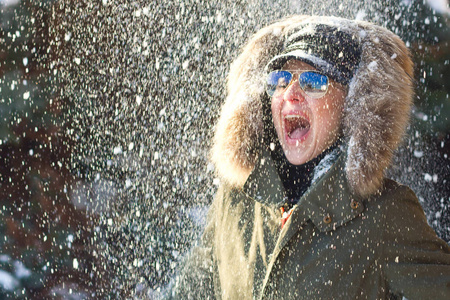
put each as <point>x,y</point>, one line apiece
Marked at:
<point>294,117</point>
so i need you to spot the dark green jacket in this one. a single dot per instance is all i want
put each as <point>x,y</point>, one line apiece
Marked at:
<point>334,245</point>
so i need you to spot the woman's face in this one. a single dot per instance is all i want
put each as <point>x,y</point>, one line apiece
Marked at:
<point>306,126</point>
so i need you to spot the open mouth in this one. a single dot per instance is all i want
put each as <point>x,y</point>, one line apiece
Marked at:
<point>296,126</point>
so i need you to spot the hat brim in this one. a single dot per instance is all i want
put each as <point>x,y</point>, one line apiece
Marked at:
<point>321,65</point>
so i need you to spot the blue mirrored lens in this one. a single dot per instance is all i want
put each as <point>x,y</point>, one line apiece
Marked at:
<point>313,84</point>
<point>277,81</point>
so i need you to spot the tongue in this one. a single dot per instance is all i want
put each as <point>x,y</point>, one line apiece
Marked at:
<point>298,133</point>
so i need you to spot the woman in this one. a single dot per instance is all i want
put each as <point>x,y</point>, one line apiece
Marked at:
<point>316,106</point>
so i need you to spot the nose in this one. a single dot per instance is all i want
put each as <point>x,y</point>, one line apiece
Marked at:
<point>293,92</point>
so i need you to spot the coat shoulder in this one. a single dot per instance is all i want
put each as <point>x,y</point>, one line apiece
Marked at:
<point>395,207</point>
<point>401,216</point>
<point>395,196</point>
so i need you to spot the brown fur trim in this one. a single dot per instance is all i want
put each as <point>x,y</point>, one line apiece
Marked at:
<point>376,108</point>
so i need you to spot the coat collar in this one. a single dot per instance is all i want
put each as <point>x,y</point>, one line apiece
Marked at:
<point>328,203</point>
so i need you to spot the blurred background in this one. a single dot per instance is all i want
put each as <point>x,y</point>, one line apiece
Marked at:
<point>107,109</point>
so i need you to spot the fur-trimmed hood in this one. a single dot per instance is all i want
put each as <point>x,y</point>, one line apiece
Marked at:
<point>376,110</point>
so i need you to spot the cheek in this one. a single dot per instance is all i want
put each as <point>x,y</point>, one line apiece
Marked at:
<point>276,108</point>
<point>327,119</point>
<point>275,104</point>
<point>330,112</point>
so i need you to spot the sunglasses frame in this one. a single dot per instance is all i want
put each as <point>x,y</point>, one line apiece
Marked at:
<point>298,73</point>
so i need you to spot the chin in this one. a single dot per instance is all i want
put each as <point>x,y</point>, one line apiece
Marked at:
<point>299,151</point>
<point>296,156</point>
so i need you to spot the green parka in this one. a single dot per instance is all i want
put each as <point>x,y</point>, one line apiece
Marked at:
<point>335,245</point>
<point>354,234</point>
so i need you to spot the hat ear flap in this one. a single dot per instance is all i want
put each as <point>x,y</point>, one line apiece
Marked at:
<point>377,108</point>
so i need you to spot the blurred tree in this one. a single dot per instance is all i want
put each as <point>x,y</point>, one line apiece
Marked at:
<point>425,26</point>
<point>45,245</point>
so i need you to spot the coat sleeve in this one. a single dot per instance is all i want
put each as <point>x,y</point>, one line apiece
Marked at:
<point>417,262</point>
<point>195,280</point>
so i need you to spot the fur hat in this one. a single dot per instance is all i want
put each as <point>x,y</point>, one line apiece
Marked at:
<point>376,109</point>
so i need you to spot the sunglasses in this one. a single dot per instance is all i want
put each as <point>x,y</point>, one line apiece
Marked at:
<point>314,84</point>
